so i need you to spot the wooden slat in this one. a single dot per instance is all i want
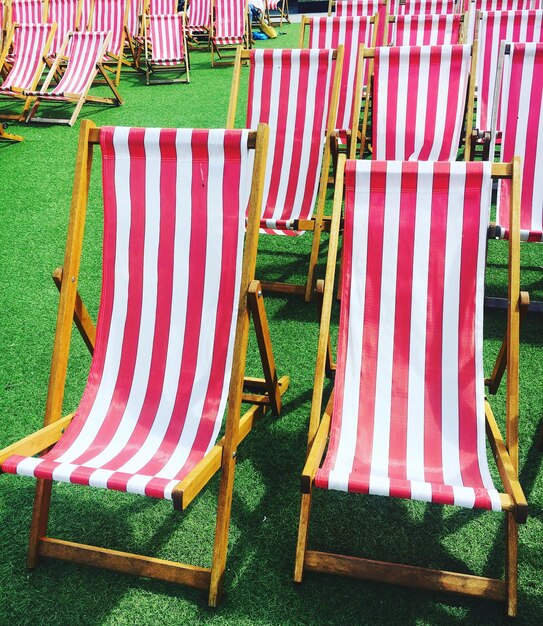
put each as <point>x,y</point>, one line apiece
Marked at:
<point>275,287</point>
<point>125,562</point>
<point>317,448</point>
<point>406,575</point>
<point>38,441</point>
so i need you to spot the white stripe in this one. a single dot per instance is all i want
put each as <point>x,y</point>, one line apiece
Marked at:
<point>339,475</point>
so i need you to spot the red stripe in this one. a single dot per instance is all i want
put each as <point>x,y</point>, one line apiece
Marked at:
<point>372,311</point>
<point>411,104</point>
<point>402,325</point>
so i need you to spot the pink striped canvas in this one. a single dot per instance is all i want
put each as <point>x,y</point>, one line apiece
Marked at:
<point>198,16</point>
<point>358,8</point>
<point>109,15</point>
<point>135,11</point>
<point>290,90</point>
<point>86,11</point>
<point>423,7</point>
<point>166,33</point>
<point>408,416</point>
<point>229,26</point>
<point>331,32</point>
<point>162,7</point>
<point>86,51</point>
<point>64,14</point>
<point>473,6</point>
<point>425,30</point>
<point>174,208</point>
<point>419,98</point>
<point>30,44</point>
<point>495,27</point>
<point>521,124</point>
<point>27,12</point>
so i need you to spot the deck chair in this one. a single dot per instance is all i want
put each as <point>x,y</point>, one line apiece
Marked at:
<point>276,12</point>
<point>32,43</point>
<point>65,14</point>
<point>355,8</point>
<point>5,136</point>
<point>171,341</point>
<point>351,33</point>
<point>425,30</point>
<point>420,118</point>
<point>198,20</point>
<point>421,382</point>
<point>112,15</point>
<point>424,7</point>
<point>28,12</point>
<point>228,30</point>
<point>472,7</point>
<point>83,64</point>
<point>493,27</point>
<point>166,50</point>
<point>295,92</point>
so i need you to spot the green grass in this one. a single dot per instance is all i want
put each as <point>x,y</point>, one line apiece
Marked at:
<point>35,191</point>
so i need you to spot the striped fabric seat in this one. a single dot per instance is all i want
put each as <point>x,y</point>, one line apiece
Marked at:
<point>85,15</point>
<point>31,42</point>
<point>27,12</point>
<point>425,30</point>
<point>64,14</point>
<point>160,373</point>
<point>166,33</point>
<point>351,32</point>
<point>408,417</point>
<point>423,7</point>
<point>419,98</point>
<point>472,7</point>
<point>162,7</point>
<point>198,16</point>
<point>495,27</point>
<point>358,8</point>
<point>290,90</point>
<point>229,25</point>
<point>521,114</point>
<point>110,15</point>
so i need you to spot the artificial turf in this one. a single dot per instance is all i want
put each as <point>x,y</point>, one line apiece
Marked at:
<point>35,191</point>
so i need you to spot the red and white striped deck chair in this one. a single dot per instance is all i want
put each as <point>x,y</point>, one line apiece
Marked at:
<point>494,27</point>
<point>81,66</point>
<point>421,97</point>
<point>295,92</point>
<point>166,49</point>
<point>424,7</point>
<point>355,8</point>
<point>472,7</point>
<point>162,7</point>
<point>277,12</point>
<point>171,341</point>
<point>351,33</point>
<point>32,43</point>
<point>425,30</point>
<point>228,30</point>
<point>112,16</point>
<point>64,13</point>
<point>520,123</point>
<point>407,415</point>
<point>198,19</point>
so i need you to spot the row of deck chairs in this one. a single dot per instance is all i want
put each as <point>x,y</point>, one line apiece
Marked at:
<point>171,341</point>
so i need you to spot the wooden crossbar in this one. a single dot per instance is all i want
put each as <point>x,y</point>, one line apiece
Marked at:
<point>126,563</point>
<point>406,575</point>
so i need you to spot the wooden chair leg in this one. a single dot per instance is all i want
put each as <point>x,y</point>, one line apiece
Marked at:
<point>40,517</point>
<point>313,259</point>
<point>303,529</point>
<point>511,566</point>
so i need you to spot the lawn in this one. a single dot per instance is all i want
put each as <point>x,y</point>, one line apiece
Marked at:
<point>35,192</point>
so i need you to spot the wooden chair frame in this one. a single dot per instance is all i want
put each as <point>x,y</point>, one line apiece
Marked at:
<point>5,136</point>
<point>369,53</point>
<point>78,100</point>
<point>319,221</point>
<point>281,14</point>
<point>332,6</point>
<point>506,452</point>
<point>263,394</point>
